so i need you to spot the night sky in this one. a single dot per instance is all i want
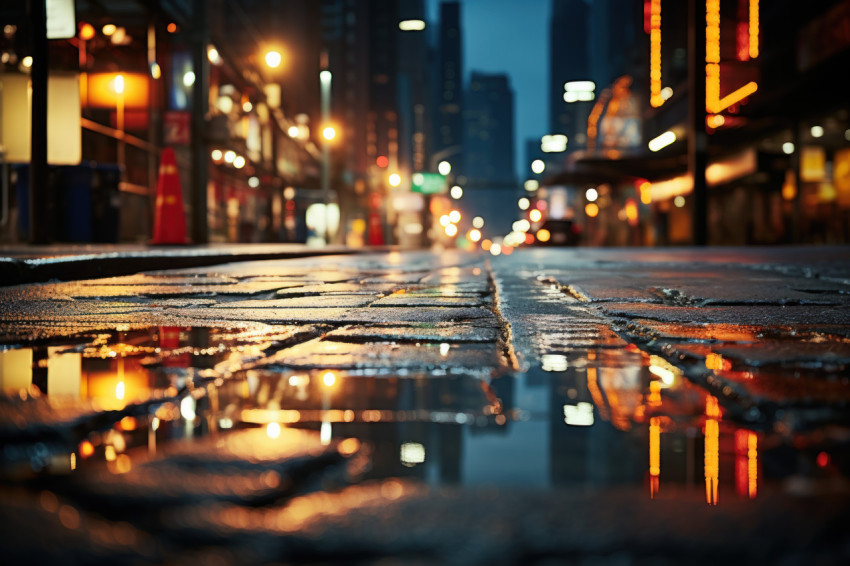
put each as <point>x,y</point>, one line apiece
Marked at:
<point>509,36</point>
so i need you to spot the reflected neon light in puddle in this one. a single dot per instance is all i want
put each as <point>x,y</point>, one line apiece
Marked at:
<point>554,362</point>
<point>273,430</point>
<point>412,453</point>
<point>444,349</point>
<point>664,370</point>
<point>325,433</point>
<point>654,455</point>
<point>580,414</point>
<point>712,449</point>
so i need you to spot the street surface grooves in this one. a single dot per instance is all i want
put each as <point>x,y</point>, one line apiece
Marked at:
<point>638,406</point>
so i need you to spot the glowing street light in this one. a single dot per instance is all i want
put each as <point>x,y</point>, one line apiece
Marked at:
<point>537,166</point>
<point>456,192</point>
<point>329,133</point>
<point>273,58</point>
<point>444,167</point>
<point>394,180</point>
<point>118,84</point>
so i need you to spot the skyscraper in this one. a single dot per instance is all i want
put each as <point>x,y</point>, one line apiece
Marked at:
<point>489,133</point>
<point>448,139</point>
<point>569,60</point>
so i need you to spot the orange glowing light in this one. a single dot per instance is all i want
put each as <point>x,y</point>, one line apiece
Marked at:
<point>329,379</point>
<point>713,103</point>
<point>655,98</point>
<point>543,235</point>
<point>171,27</point>
<point>87,31</point>
<point>754,29</point>
<point>486,245</point>
<point>631,211</point>
<point>529,238</point>
<point>86,449</point>
<point>507,250</point>
<point>591,209</point>
<point>382,161</point>
<point>715,120</point>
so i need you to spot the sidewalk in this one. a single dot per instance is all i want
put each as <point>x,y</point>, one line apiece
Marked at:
<point>67,262</point>
<point>595,405</point>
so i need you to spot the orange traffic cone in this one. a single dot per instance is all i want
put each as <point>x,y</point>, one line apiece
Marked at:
<point>169,220</point>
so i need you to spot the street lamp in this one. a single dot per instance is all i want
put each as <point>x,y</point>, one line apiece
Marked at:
<point>273,58</point>
<point>118,87</point>
<point>328,134</point>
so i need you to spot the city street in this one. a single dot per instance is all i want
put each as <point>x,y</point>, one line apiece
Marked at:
<point>610,406</point>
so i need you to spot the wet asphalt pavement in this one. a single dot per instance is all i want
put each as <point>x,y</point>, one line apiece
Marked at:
<point>551,406</point>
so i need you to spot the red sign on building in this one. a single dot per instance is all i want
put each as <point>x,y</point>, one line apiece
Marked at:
<point>176,127</point>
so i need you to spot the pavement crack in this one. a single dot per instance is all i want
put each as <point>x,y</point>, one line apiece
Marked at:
<point>505,330</point>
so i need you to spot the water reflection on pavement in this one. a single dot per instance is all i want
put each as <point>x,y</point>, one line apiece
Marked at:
<point>441,414</point>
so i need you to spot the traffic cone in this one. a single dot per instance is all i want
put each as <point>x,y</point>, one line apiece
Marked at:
<point>169,220</point>
<point>376,230</point>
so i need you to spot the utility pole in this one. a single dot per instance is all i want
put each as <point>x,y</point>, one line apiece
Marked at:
<point>200,103</point>
<point>697,136</point>
<point>39,195</point>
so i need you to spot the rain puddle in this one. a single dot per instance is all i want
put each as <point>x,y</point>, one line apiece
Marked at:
<point>108,402</point>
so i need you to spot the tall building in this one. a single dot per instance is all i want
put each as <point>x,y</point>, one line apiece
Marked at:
<point>448,139</point>
<point>569,60</point>
<point>361,43</point>
<point>413,88</point>
<point>611,46</point>
<point>489,133</point>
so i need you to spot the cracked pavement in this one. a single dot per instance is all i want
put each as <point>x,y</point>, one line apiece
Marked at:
<point>612,405</point>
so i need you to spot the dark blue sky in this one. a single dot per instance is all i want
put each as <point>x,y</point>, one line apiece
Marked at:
<point>509,36</point>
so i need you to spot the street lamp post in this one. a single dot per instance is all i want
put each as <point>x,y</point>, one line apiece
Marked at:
<point>325,84</point>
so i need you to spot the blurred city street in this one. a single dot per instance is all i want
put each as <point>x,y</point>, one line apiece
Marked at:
<point>378,282</point>
<point>551,405</point>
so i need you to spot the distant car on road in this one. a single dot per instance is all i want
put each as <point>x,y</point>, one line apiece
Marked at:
<point>561,233</point>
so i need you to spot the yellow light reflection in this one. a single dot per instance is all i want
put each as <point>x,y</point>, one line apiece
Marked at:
<point>654,455</point>
<point>712,449</point>
<point>591,209</point>
<point>329,379</point>
<point>746,463</point>
<point>543,235</point>
<point>752,464</point>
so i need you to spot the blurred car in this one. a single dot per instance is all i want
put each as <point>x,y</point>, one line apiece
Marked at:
<point>562,232</point>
